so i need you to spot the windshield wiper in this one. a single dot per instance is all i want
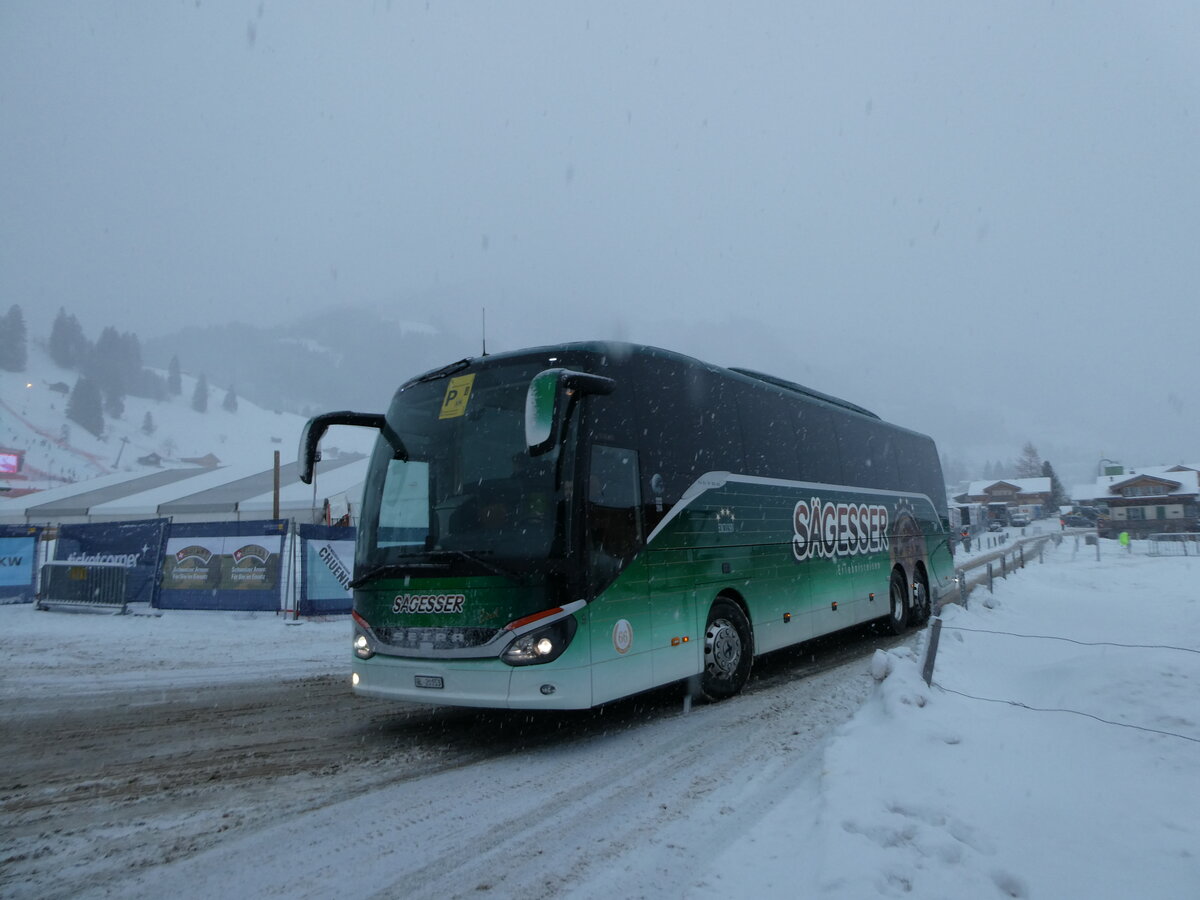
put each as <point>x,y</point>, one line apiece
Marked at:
<point>494,568</point>
<point>442,372</point>
<point>392,569</point>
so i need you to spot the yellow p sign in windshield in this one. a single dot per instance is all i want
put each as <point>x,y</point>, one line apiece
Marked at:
<point>458,392</point>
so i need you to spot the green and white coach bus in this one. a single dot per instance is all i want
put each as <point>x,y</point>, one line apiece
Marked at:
<point>558,527</point>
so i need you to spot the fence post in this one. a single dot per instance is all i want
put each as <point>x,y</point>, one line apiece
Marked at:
<point>1022,548</point>
<point>935,631</point>
<point>991,590</point>
<point>1004,565</point>
<point>295,598</point>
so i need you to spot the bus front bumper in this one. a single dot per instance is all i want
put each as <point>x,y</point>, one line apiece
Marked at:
<point>481,683</point>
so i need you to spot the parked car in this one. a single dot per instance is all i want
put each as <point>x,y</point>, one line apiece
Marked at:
<point>995,526</point>
<point>1018,521</point>
<point>1078,522</point>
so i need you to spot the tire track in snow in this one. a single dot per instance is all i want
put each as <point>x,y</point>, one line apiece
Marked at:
<point>302,786</point>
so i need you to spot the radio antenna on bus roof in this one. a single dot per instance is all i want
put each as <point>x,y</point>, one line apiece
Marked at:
<point>483,327</point>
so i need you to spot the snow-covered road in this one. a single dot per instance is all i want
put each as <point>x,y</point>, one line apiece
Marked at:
<point>299,788</point>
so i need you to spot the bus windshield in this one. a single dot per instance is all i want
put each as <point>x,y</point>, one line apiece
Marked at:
<point>467,497</point>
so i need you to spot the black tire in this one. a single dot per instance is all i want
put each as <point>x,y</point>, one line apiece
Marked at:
<point>728,651</point>
<point>921,607</point>
<point>897,619</point>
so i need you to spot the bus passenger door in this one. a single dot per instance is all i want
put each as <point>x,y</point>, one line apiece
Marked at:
<point>620,613</point>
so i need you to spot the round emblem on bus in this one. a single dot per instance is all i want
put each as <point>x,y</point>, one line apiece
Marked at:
<point>622,636</point>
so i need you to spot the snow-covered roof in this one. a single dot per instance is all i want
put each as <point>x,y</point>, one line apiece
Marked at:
<point>186,495</point>
<point>296,496</point>
<point>1102,487</point>
<point>77,505</point>
<point>1024,485</point>
<point>50,505</point>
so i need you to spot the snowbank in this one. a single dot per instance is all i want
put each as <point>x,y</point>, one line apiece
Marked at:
<point>50,653</point>
<point>1032,767</point>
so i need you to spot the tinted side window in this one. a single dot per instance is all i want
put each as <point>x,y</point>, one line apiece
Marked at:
<point>689,426</point>
<point>614,418</point>
<point>868,453</point>
<point>817,455</point>
<point>614,514</point>
<point>768,420</point>
<point>920,468</point>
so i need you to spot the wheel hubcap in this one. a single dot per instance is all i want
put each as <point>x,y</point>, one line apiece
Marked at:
<point>897,603</point>
<point>722,648</point>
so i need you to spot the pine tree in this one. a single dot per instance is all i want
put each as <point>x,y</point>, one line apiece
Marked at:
<point>108,368</point>
<point>200,395</point>
<point>84,406</point>
<point>229,404</point>
<point>148,424</point>
<point>1030,464</point>
<point>68,347</point>
<point>59,344</point>
<point>114,402</point>
<point>1058,494</point>
<point>174,383</point>
<point>13,351</point>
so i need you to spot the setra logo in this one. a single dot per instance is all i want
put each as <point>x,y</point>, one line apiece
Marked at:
<point>428,603</point>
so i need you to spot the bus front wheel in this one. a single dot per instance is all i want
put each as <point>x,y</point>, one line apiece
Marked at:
<point>897,619</point>
<point>728,651</point>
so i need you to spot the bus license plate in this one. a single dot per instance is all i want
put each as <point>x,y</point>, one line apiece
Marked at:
<point>428,681</point>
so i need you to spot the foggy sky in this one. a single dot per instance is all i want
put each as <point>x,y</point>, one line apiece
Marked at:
<point>980,221</point>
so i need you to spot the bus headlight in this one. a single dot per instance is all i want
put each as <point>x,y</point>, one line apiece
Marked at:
<point>542,645</point>
<point>362,647</point>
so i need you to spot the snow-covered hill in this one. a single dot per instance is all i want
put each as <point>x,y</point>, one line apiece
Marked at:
<point>348,358</point>
<point>33,419</point>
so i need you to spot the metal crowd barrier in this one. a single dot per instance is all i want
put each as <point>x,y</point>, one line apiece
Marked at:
<point>94,587</point>
<point>1177,543</point>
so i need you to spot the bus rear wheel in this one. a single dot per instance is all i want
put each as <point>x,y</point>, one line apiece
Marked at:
<point>728,651</point>
<point>897,619</point>
<point>920,600</point>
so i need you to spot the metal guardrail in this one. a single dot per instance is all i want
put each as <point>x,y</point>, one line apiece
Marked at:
<point>1177,543</point>
<point>1007,559</point>
<point>93,587</point>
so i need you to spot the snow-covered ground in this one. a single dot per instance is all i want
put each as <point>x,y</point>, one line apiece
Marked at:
<point>1057,754</point>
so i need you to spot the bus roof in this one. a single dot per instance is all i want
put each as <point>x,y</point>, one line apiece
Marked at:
<point>624,349</point>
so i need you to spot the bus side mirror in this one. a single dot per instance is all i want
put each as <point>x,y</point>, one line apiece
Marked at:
<point>547,401</point>
<point>315,428</point>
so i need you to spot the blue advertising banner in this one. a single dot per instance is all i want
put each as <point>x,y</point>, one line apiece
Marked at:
<point>223,565</point>
<point>136,545</point>
<point>18,562</point>
<point>326,561</point>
